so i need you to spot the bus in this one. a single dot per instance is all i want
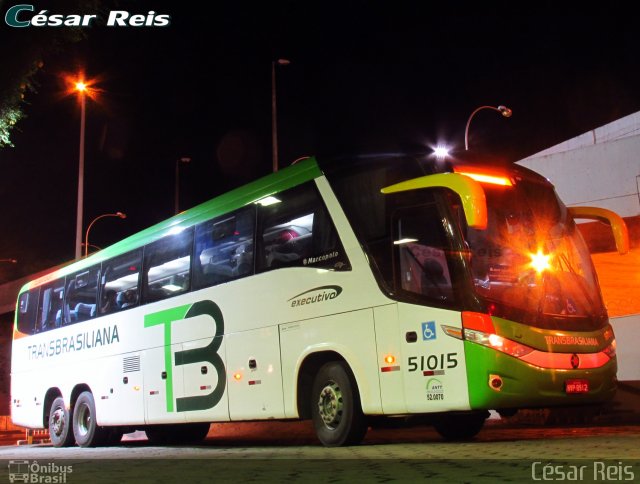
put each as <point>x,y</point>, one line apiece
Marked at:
<point>345,291</point>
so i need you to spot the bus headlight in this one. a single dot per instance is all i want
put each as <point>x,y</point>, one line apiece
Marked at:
<point>498,343</point>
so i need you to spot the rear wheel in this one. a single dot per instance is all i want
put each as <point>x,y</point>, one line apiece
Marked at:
<point>85,427</point>
<point>335,406</point>
<point>60,424</point>
<point>177,433</point>
<point>460,426</point>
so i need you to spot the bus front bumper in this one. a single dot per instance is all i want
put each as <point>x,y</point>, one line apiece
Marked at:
<point>500,381</point>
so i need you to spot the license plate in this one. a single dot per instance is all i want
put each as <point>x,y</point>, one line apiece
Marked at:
<point>576,386</point>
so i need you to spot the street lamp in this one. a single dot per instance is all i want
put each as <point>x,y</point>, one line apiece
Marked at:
<point>81,88</point>
<point>274,126</point>
<point>184,159</point>
<point>505,111</point>
<point>86,236</point>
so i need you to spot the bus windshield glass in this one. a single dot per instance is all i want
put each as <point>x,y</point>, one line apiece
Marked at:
<point>531,264</point>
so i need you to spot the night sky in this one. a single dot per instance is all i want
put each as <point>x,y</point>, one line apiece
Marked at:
<point>364,77</point>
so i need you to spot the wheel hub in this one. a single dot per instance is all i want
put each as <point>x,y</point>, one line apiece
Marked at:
<point>84,420</point>
<point>330,405</point>
<point>57,421</point>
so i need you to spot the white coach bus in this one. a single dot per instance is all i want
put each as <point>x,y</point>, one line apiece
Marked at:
<point>337,291</point>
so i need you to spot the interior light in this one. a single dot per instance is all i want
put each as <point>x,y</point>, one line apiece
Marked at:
<point>175,230</point>
<point>172,287</point>
<point>404,241</point>
<point>266,201</point>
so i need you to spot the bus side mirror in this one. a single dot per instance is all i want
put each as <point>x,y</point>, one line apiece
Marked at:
<point>474,202</point>
<point>618,227</point>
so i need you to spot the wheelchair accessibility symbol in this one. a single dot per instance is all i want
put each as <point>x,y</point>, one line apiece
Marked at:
<point>428,331</point>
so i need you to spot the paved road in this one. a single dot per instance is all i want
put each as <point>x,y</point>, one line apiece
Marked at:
<point>277,452</point>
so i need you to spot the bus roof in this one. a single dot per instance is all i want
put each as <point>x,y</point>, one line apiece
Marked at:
<point>289,177</point>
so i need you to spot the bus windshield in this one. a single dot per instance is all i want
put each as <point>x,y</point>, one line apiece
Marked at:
<point>531,264</point>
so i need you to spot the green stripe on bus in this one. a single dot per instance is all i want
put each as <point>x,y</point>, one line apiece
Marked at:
<point>166,317</point>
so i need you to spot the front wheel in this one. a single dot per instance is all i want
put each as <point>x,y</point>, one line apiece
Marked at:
<point>460,426</point>
<point>85,427</point>
<point>60,424</point>
<point>335,406</point>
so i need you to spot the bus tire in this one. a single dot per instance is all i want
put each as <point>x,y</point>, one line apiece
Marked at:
<point>85,427</point>
<point>60,431</point>
<point>460,426</point>
<point>335,406</point>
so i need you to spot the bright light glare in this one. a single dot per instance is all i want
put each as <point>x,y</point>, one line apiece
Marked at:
<point>495,341</point>
<point>176,229</point>
<point>404,241</point>
<point>540,262</point>
<point>441,152</point>
<point>81,86</point>
<point>266,201</point>
<point>484,178</point>
<point>172,287</point>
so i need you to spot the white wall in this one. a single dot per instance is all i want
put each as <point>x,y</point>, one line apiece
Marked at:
<point>627,336</point>
<point>601,167</point>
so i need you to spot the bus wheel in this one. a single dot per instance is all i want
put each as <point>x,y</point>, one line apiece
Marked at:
<point>85,428</point>
<point>460,426</point>
<point>335,406</point>
<point>60,424</point>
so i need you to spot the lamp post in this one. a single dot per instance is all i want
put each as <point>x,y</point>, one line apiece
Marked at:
<point>274,126</point>
<point>86,236</point>
<point>505,111</point>
<point>183,159</point>
<point>81,88</point>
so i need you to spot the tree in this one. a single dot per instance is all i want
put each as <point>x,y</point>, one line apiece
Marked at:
<point>24,54</point>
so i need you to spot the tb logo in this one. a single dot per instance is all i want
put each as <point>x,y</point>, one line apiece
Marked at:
<point>205,354</point>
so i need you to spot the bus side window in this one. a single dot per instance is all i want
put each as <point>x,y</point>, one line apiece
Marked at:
<point>119,282</point>
<point>423,251</point>
<point>81,296</point>
<point>224,249</point>
<point>297,231</point>
<point>167,266</point>
<point>50,307</point>
<point>27,311</point>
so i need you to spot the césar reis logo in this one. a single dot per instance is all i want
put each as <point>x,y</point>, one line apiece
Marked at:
<point>24,15</point>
